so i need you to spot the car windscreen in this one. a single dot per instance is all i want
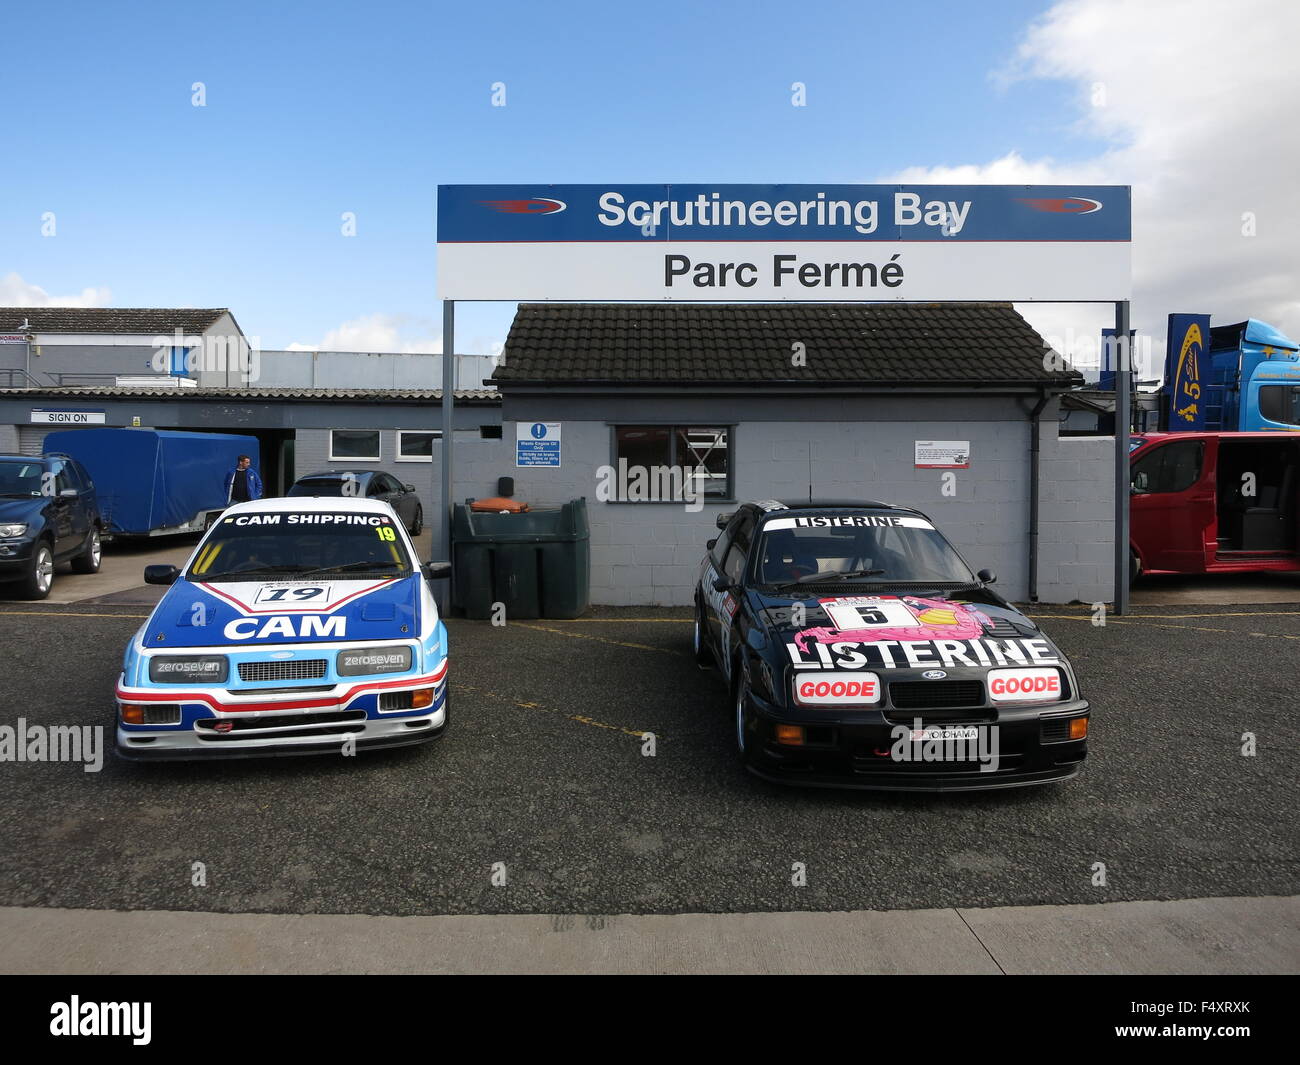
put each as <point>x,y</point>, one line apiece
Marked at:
<point>253,545</point>
<point>325,486</point>
<point>855,549</point>
<point>21,479</point>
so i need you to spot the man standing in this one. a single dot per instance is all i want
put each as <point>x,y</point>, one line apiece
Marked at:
<point>243,483</point>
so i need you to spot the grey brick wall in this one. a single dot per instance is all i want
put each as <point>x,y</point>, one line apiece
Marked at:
<point>646,554</point>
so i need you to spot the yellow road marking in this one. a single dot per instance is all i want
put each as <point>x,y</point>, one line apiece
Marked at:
<point>68,614</point>
<point>582,719</point>
<point>611,621</point>
<point>599,639</point>
<point>1180,628</point>
<point>1237,614</point>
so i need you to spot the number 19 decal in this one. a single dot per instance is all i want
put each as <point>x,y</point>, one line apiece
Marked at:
<point>387,532</point>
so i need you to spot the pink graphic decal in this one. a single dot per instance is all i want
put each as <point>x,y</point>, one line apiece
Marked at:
<point>867,619</point>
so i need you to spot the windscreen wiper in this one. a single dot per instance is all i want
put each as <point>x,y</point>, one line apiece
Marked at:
<point>362,564</point>
<point>253,571</point>
<point>838,575</point>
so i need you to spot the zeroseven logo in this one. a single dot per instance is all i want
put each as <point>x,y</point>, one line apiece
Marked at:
<point>537,205</point>
<point>1065,205</point>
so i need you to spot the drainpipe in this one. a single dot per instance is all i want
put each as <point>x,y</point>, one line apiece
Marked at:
<point>1034,434</point>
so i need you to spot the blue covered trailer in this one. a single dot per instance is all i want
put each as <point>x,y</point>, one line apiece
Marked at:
<point>152,482</point>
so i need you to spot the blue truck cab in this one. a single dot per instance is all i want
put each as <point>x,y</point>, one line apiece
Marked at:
<point>1251,382</point>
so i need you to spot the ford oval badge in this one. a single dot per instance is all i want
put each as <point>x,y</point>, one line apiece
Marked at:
<point>934,674</point>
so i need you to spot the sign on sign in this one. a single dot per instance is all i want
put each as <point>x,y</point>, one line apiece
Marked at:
<point>13,338</point>
<point>943,454</point>
<point>537,443</point>
<point>68,417</point>
<point>727,243</point>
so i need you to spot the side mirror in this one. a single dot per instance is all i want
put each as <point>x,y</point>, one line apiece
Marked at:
<point>409,487</point>
<point>436,571</point>
<point>710,545</point>
<point>162,573</point>
<point>987,576</point>
<point>721,584</point>
<point>724,520</point>
<point>68,493</point>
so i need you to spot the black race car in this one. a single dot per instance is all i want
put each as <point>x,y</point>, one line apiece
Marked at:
<point>861,651</point>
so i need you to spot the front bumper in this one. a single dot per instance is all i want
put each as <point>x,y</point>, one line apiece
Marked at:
<point>215,724</point>
<point>862,749</point>
<point>15,558</point>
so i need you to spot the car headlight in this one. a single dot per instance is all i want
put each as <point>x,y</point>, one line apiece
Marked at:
<point>7,531</point>
<point>1041,685</point>
<point>356,661</point>
<point>188,669</point>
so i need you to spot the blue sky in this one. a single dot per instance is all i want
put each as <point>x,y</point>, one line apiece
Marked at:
<point>317,109</point>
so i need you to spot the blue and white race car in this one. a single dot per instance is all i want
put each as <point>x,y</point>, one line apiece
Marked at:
<point>298,626</point>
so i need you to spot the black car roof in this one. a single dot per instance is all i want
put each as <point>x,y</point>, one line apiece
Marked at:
<point>336,475</point>
<point>832,504</point>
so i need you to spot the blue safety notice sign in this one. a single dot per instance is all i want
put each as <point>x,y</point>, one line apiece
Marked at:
<point>537,444</point>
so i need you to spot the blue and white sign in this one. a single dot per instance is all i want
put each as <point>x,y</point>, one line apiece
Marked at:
<point>537,443</point>
<point>726,243</point>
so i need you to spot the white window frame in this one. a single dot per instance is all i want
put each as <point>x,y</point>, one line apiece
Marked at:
<point>379,457</point>
<point>399,457</point>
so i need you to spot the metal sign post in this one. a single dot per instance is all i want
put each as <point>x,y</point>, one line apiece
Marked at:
<point>448,434</point>
<point>1123,365</point>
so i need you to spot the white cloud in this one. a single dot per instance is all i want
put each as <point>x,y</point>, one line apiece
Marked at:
<point>379,332</point>
<point>15,292</point>
<point>1197,111</point>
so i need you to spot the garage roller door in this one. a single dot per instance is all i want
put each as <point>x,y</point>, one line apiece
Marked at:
<point>31,438</point>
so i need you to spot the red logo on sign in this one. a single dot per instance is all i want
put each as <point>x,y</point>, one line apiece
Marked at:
<point>1065,205</point>
<point>537,205</point>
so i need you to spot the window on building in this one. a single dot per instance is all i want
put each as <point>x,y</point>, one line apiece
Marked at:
<point>416,447</point>
<point>668,455</point>
<point>489,432</point>
<point>360,444</point>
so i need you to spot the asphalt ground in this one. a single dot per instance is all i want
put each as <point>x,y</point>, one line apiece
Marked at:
<point>543,771</point>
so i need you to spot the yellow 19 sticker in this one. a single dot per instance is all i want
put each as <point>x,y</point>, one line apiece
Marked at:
<point>387,532</point>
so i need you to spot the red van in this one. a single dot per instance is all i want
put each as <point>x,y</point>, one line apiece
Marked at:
<point>1213,502</point>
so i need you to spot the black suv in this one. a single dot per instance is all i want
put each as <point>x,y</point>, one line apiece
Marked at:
<point>48,514</point>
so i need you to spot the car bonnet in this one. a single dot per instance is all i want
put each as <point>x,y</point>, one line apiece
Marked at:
<point>896,626</point>
<point>258,612</point>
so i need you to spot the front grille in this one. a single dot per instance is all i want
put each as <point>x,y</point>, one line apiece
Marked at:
<point>310,724</point>
<point>289,669</point>
<point>395,701</point>
<point>928,694</point>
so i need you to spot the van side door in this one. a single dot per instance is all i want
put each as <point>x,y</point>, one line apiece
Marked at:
<point>1172,503</point>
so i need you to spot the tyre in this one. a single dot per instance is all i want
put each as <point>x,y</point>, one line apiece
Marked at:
<point>88,560</point>
<point>703,656</point>
<point>742,716</point>
<point>418,524</point>
<point>40,573</point>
